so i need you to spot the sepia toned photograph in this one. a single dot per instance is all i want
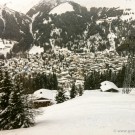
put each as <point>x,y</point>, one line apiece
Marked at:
<point>67,67</point>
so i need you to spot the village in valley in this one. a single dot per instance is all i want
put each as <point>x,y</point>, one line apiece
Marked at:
<point>70,68</point>
<point>67,65</point>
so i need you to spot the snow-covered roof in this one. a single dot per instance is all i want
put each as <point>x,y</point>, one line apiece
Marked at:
<point>45,93</point>
<point>107,85</point>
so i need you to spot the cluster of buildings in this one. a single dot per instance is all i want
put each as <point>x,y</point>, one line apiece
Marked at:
<point>69,66</point>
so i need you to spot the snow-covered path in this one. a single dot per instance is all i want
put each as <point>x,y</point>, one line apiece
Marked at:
<point>94,113</point>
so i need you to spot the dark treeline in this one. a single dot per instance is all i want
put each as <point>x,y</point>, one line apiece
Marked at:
<point>39,81</point>
<point>36,81</point>
<point>93,80</point>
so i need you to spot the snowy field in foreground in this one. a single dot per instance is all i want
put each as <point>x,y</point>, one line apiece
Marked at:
<point>95,113</point>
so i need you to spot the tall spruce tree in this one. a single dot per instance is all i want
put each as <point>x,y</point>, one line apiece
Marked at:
<point>1,79</point>
<point>22,114</point>
<point>55,82</point>
<point>80,90</point>
<point>73,91</point>
<point>44,81</point>
<point>5,109</point>
<point>15,110</point>
<point>37,82</point>
<point>86,83</point>
<point>49,82</point>
<point>120,77</point>
<point>129,46</point>
<point>61,97</point>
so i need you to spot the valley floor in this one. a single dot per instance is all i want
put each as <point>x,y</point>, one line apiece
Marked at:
<point>95,113</point>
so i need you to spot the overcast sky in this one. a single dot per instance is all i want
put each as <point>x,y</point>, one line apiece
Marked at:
<point>25,5</point>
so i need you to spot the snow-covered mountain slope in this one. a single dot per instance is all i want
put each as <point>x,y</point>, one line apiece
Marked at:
<point>73,26</point>
<point>128,15</point>
<point>20,6</point>
<point>44,6</point>
<point>6,46</point>
<point>62,8</point>
<point>95,113</point>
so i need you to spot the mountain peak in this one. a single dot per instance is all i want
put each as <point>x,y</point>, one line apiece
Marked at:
<point>62,8</point>
<point>44,6</point>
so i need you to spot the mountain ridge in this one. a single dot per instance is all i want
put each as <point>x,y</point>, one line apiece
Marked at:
<point>25,5</point>
<point>78,30</point>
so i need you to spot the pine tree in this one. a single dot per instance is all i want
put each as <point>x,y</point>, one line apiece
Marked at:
<point>29,89</point>
<point>96,80</point>
<point>60,97</point>
<point>37,82</point>
<point>73,92</point>
<point>120,77</point>
<point>80,90</point>
<point>22,114</point>
<point>86,82</point>
<point>129,45</point>
<point>15,110</point>
<point>129,73</point>
<point>1,79</point>
<point>55,82</point>
<point>49,82</point>
<point>5,109</point>
<point>90,82</point>
<point>102,77</point>
<point>44,80</point>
